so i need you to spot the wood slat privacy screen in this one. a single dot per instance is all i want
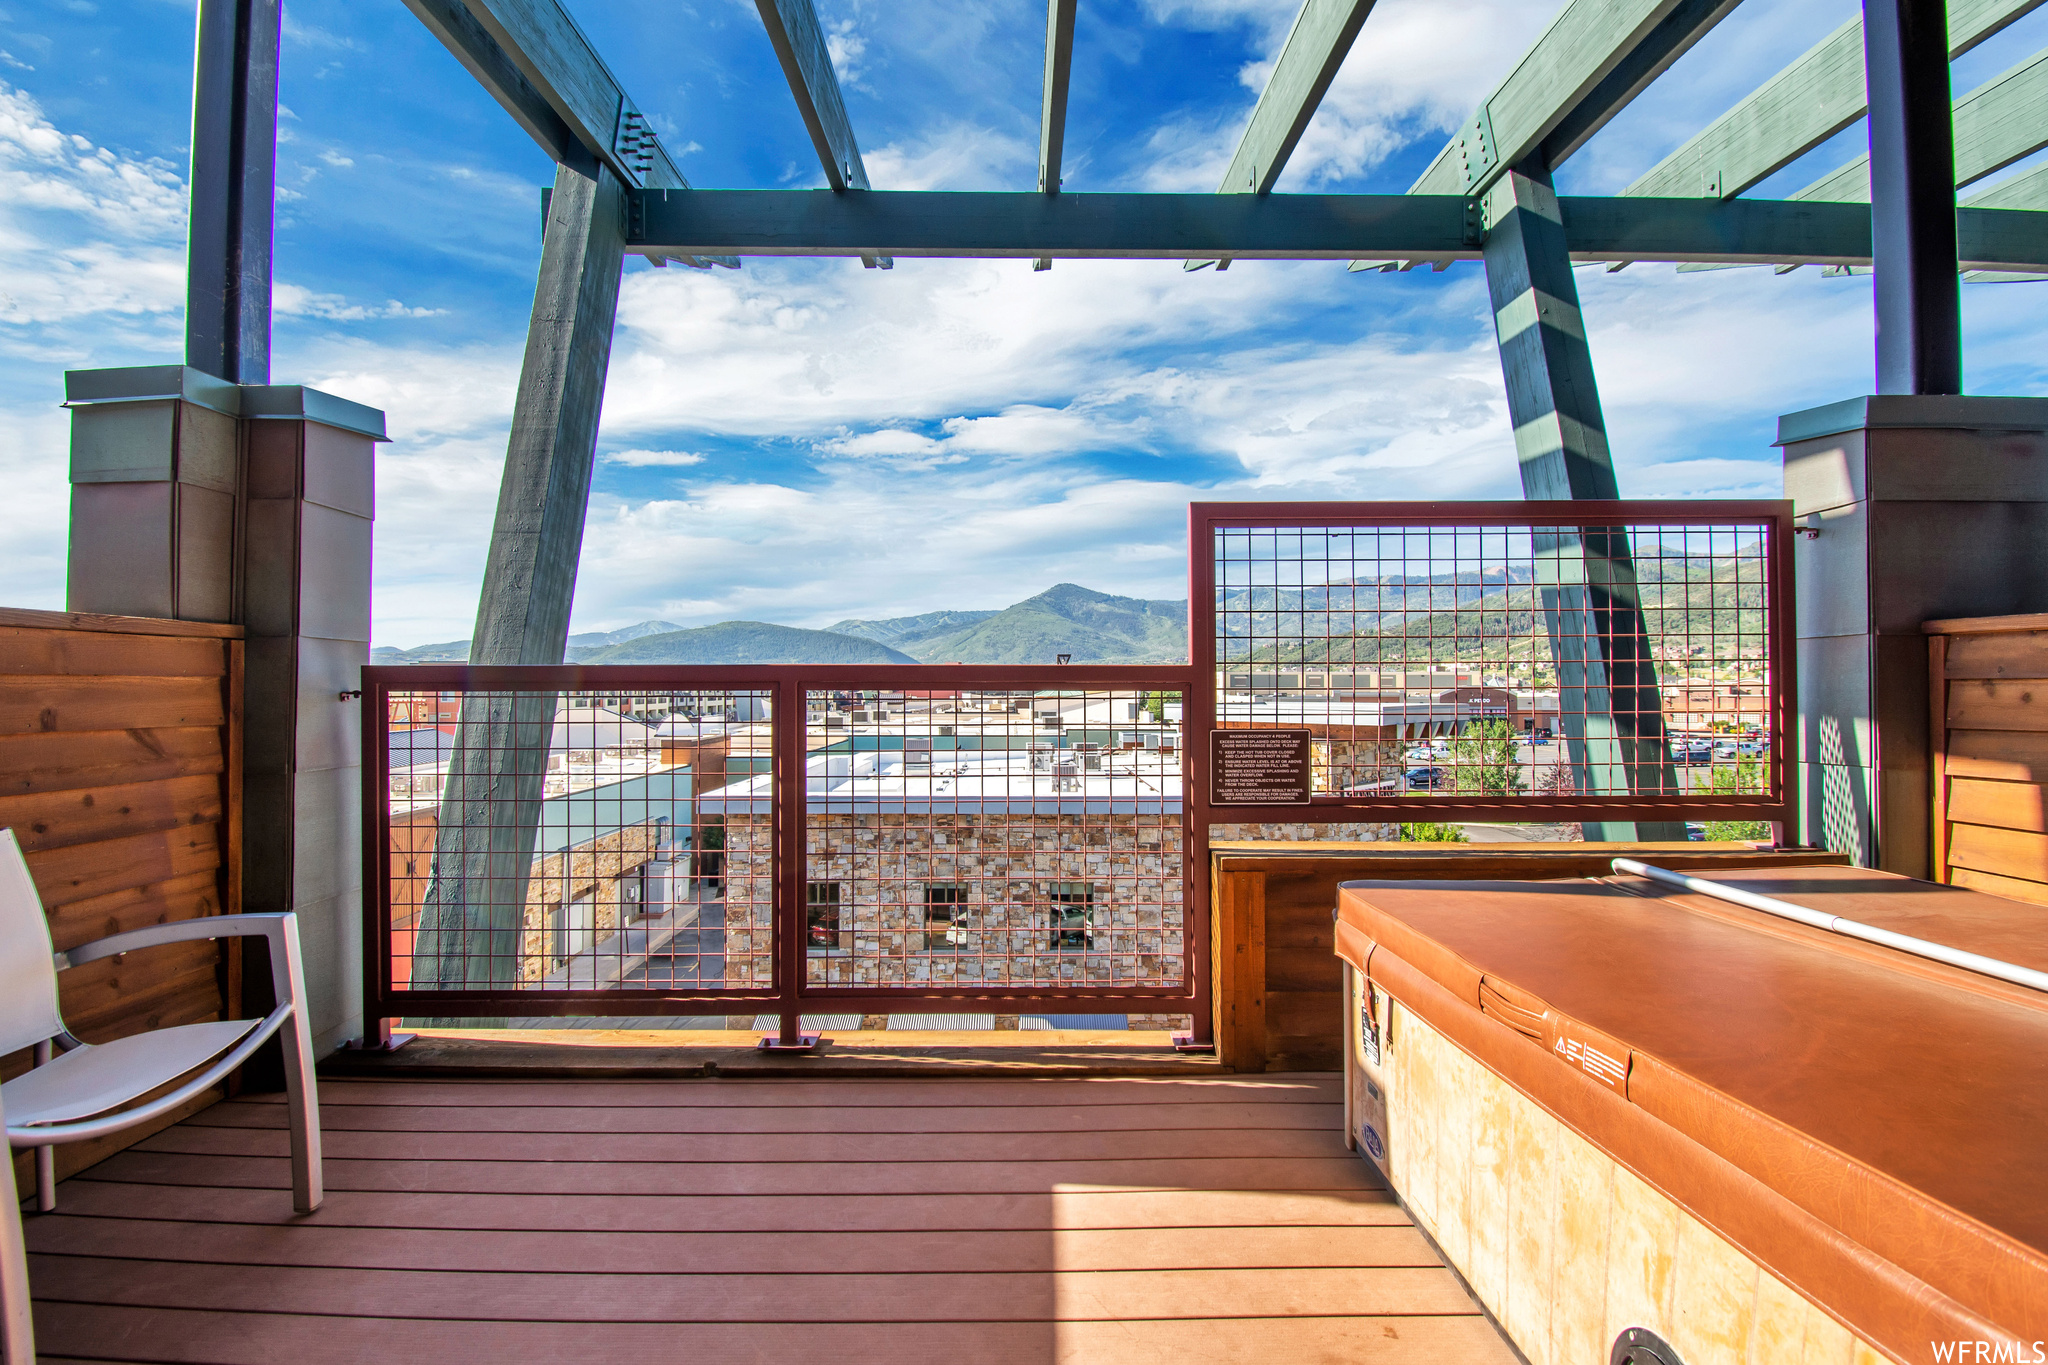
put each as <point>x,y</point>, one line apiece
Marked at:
<point>120,775</point>
<point>1988,683</point>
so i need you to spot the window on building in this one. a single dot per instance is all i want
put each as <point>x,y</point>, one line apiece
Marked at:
<point>945,918</point>
<point>1072,907</point>
<point>827,931</point>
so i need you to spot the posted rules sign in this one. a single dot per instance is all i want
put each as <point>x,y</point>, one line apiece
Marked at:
<point>1259,767</point>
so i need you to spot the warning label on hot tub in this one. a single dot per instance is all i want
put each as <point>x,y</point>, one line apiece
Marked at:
<point>1259,767</point>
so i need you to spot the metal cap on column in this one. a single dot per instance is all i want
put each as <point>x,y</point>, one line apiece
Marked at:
<point>1913,197</point>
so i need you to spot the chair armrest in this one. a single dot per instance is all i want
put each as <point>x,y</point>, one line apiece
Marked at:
<point>268,924</point>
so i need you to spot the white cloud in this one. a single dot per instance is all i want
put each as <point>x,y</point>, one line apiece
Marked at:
<point>954,156</point>
<point>291,300</point>
<point>1416,70</point>
<point>652,459</point>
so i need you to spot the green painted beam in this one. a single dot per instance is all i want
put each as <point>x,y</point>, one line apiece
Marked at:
<point>1316,47</point>
<point>544,44</point>
<point>1801,107</point>
<point>1671,39</point>
<point>1276,227</point>
<point>1309,60</point>
<point>799,42</point>
<point>1996,124</point>
<point>533,59</point>
<point>1582,46</point>
<point>2025,191</point>
<point>1052,108</point>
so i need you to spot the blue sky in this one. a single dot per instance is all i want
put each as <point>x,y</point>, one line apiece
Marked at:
<point>802,441</point>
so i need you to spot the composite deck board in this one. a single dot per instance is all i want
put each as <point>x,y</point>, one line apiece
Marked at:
<point>850,1295</point>
<point>682,1117</point>
<point>1071,1207</point>
<point>766,1148</point>
<point>834,1093</point>
<point>1103,1220</point>
<point>767,1178</point>
<point>759,1253</point>
<point>265,1338</point>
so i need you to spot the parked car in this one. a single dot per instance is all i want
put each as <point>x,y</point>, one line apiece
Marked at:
<point>1692,752</point>
<point>1428,779</point>
<point>1753,748</point>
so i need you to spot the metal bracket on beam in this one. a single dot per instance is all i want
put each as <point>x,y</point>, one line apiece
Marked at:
<point>1477,152</point>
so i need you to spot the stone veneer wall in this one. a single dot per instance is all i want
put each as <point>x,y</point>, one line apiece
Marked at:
<point>1010,866</point>
<point>595,865</point>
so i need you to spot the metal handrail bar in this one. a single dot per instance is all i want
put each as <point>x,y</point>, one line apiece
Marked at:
<point>1839,924</point>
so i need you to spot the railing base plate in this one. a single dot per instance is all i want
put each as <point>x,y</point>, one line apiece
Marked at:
<point>390,1044</point>
<point>1185,1042</point>
<point>807,1042</point>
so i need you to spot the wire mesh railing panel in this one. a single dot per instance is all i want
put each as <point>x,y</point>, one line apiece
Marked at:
<point>1429,660</point>
<point>548,841</point>
<point>998,839</point>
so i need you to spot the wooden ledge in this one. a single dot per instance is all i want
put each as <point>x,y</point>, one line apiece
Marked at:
<point>704,1054</point>
<point>24,618</point>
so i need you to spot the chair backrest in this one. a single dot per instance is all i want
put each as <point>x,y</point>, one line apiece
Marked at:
<point>28,975</point>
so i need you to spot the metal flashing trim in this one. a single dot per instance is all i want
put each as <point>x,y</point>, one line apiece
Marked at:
<point>312,405</point>
<point>150,384</point>
<point>182,383</point>
<point>1899,410</point>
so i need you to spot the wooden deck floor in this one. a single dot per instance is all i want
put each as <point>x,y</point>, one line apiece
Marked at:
<point>1117,1220</point>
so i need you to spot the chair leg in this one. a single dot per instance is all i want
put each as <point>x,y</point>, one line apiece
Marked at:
<point>302,1102</point>
<point>46,1179</point>
<point>17,1327</point>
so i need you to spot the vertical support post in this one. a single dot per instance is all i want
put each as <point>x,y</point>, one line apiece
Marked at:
<point>790,936</point>
<point>1913,197</point>
<point>1608,705</point>
<point>234,177</point>
<point>472,922</point>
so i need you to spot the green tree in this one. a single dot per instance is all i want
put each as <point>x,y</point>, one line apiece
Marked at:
<point>1432,832</point>
<point>1745,778</point>
<point>1485,760</point>
<point>1156,703</point>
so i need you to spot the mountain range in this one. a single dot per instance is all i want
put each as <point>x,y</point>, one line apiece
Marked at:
<point>1092,627</point>
<point>1403,615</point>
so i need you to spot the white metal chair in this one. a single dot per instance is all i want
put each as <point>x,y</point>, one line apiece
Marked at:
<point>76,1091</point>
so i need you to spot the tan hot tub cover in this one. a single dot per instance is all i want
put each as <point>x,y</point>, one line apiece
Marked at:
<point>1870,1126</point>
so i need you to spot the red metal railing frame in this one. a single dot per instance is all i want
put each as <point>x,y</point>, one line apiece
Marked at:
<point>789,995</point>
<point>1777,804</point>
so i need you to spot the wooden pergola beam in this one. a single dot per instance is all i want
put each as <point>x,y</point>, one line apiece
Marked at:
<point>1309,60</point>
<point>1801,107</point>
<point>995,225</point>
<point>799,42</point>
<point>530,56</point>
<point>535,61</point>
<point>1589,41</point>
<point>1996,124</point>
<point>1315,49</point>
<point>1052,107</point>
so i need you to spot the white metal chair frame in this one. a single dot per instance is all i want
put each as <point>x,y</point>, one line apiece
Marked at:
<point>287,1021</point>
<point>17,1327</point>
